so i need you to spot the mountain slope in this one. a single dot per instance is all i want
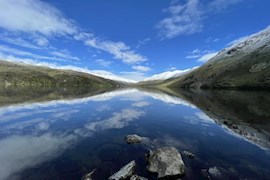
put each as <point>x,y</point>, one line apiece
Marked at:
<point>163,77</point>
<point>12,74</point>
<point>244,65</point>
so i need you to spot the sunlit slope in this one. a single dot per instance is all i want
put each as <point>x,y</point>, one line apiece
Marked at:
<point>12,74</point>
<point>244,65</point>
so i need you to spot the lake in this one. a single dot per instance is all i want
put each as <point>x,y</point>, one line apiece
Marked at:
<point>64,134</point>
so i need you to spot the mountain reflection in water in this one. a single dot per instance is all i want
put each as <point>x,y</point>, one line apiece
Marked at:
<point>63,134</point>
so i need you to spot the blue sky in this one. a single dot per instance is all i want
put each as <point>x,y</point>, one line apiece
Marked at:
<point>125,38</point>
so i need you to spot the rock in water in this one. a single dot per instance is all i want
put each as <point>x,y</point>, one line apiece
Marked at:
<point>205,174</point>
<point>136,177</point>
<point>166,162</point>
<point>133,139</point>
<point>214,172</point>
<point>88,176</point>
<point>189,154</point>
<point>125,172</point>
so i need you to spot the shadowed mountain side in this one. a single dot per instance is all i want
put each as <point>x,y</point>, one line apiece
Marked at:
<point>21,75</point>
<point>244,113</point>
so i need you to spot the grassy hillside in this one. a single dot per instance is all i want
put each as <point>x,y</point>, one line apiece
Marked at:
<point>232,68</point>
<point>12,74</point>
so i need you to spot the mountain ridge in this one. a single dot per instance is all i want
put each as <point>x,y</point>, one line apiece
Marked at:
<point>243,65</point>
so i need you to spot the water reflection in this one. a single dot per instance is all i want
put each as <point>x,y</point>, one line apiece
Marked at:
<point>80,130</point>
<point>243,113</point>
<point>23,151</point>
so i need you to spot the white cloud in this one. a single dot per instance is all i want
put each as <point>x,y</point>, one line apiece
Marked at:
<point>195,51</point>
<point>212,40</point>
<point>36,21</point>
<point>64,55</point>
<point>19,41</point>
<point>41,45</point>
<point>143,42</point>
<point>207,57</point>
<point>218,5</point>
<point>103,62</point>
<point>202,56</point>
<point>83,36</point>
<point>183,19</point>
<point>119,50</point>
<point>193,56</point>
<point>41,41</point>
<point>187,18</point>
<point>171,68</point>
<point>12,51</point>
<point>34,16</point>
<point>141,68</point>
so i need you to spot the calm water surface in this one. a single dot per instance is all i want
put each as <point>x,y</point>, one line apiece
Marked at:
<point>48,135</point>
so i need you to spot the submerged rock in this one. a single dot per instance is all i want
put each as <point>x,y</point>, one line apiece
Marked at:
<point>214,172</point>
<point>136,177</point>
<point>88,176</point>
<point>133,139</point>
<point>166,162</point>
<point>125,172</point>
<point>205,173</point>
<point>189,154</point>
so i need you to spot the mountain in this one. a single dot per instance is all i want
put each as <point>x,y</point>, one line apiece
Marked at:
<point>243,65</point>
<point>22,75</point>
<point>168,74</point>
<point>163,77</point>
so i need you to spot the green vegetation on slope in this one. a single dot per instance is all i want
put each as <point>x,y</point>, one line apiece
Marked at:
<point>21,75</point>
<point>238,71</point>
<point>245,65</point>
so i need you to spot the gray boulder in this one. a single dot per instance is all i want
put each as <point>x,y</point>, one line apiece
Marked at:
<point>125,172</point>
<point>166,162</point>
<point>133,139</point>
<point>214,172</point>
<point>205,174</point>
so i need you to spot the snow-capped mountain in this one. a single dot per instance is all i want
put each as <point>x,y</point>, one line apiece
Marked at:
<point>244,64</point>
<point>244,45</point>
<point>169,74</point>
